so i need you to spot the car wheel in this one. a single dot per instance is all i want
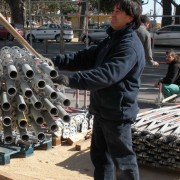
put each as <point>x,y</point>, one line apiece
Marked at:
<point>29,38</point>
<point>87,40</point>
<point>40,40</point>
<point>10,37</point>
<point>68,40</point>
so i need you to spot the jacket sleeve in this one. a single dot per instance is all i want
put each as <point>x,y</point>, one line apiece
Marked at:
<point>82,60</point>
<point>147,49</point>
<point>145,38</point>
<point>112,71</point>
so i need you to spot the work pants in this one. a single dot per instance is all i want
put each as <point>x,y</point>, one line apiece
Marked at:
<point>111,151</point>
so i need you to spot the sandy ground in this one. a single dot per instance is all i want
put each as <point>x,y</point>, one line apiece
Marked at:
<point>62,162</point>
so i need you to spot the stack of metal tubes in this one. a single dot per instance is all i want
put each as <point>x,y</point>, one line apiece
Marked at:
<point>31,105</point>
<point>156,137</point>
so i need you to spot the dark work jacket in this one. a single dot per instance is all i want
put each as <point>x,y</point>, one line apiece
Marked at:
<point>173,73</point>
<point>111,71</point>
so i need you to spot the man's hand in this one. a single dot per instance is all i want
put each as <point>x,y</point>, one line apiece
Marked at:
<point>155,63</point>
<point>61,79</point>
<point>57,60</point>
<point>53,59</point>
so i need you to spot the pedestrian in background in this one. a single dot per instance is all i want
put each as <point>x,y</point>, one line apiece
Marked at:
<point>111,70</point>
<point>145,38</point>
<point>27,23</point>
<point>171,82</point>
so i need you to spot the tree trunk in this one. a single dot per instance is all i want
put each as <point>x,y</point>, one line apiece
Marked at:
<point>82,17</point>
<point>17,10</point>
<point>177,19</point>
<point>167,10</point>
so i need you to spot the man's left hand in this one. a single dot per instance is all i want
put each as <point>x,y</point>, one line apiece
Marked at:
<point>61,79</point>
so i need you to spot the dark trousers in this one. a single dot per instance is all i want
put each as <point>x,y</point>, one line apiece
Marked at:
<point>111,151</point>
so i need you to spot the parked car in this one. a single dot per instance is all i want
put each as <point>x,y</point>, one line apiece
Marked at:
<point>167,35</point>
<point>95,35</point>
<point>4,33</point>
<point>50,31</point>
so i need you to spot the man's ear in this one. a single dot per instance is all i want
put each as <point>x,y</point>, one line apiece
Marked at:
<point>130,19</point>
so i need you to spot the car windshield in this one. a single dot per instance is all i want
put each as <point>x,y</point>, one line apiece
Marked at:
<point>65,26</point>
<point>165,29</point>
<point>45,26</point>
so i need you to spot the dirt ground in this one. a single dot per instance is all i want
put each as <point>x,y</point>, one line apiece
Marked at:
<point>61,162</point>
<point>64,162</point>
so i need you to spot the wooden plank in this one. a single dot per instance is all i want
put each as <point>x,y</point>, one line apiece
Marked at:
<point>56,141</point>
<point>83,145</point>
<point>74,139</point>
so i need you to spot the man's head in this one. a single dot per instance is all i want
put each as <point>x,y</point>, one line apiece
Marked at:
<point>126,12</point>
<point>171,56</point>
<point>145,20</point>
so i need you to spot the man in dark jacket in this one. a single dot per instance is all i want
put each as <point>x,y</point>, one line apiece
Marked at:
<point>111,71</point>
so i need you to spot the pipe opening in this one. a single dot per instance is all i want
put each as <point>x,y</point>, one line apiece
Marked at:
<point>39,120</point>
<point>41,136</point>
<point>53,73</point>
<point>28,94</point>
<point>53,95</point>
<point>54,111</point>
<point>38,105</point>
<point>25,137</point>
<point>11,91</point>
<point>23,124</point>
<point>7,121</point>
<point>66,118</point>
<point>6,106</point>
<point>13,74</point>
<point>30,74</point>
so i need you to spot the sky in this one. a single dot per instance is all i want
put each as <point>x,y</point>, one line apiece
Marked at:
<point>147,8</point>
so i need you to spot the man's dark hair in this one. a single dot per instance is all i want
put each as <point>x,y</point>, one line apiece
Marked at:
<point>145,19</point>
<point>132,8</point>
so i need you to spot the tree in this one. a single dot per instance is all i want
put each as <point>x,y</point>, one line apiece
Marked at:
<point>17,10</point>
<point>167,10</point>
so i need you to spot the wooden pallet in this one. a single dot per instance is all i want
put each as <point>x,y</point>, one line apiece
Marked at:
<point>8,151</point>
